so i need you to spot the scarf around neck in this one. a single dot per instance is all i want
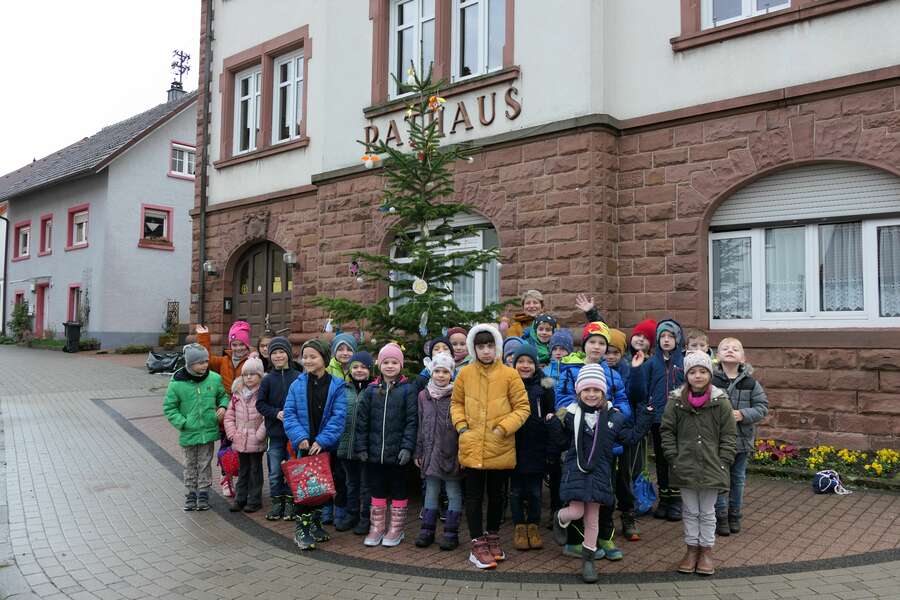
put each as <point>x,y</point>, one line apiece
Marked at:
<point>438,391</point>
<point>698,401</point>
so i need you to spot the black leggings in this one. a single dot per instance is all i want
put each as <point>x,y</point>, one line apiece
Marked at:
<point>476,482</point>
<point>387,481</point>
<point>662,465</point>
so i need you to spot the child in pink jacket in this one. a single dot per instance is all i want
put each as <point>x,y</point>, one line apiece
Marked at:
<point>246,428</point>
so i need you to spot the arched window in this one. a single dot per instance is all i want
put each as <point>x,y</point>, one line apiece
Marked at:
<point>481,288</point>
<point>815,246</point>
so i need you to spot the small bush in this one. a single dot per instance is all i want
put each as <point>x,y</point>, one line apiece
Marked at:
<point>134,349</point>
<point>6,340</point>
<point>47,344</point>
<point>89,344</point>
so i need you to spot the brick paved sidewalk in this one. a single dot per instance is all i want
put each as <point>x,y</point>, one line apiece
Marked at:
<point>94,512</point>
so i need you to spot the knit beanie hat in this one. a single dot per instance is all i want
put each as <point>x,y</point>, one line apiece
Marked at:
<point>240,331</point>
<point>429,346</point>
<point>444,361</point>
<point>342,338</point>
<point>591,376</point>
<point>595,328</point>
<point>319,346</point>
<point>511,344</point>
<point>194,353</point>
<point>646,328</point>
<point>280,343</point>
<point>361,356</point>
<point>562,338</point>
<point>533,294</point>
<point>455,330</point>
<point>526,350</point>
<point>390,350</point>
<point>617,339</point>
<point>252,365</point>
<point>697,359</point>
<point>672,327</point>
<point>545,318</point>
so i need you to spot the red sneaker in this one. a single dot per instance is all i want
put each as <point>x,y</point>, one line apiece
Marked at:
<point>481,556</point>
<point>493,540</point>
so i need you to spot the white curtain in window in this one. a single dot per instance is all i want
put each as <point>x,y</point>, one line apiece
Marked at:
<point>732,297</point>
<point>785,267</point>
<point>889,271</point>
<point>464,290</point>
<point>840,267</point>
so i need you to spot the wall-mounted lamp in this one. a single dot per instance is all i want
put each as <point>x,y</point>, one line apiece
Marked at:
<point>290,258</point>
<point>209,267</point>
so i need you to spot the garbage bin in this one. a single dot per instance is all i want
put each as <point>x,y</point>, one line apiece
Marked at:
<point>73,336</point>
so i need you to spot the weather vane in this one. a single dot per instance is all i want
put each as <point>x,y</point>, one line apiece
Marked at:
<point>180,65</point>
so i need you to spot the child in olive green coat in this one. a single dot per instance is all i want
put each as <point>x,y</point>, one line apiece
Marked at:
<point>195,405</point>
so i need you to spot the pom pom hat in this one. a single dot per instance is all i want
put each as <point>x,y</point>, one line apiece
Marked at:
<point>591,376</point>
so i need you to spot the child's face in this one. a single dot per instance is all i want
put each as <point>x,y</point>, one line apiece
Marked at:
<point>731,353</point>
<point>592,396</point>
<point>508,360</point>
<point>486,353</point>
<point>312,361</point>
<point>279,359</point>
<point>441,376</point>
<point>667,341</point>
<point>359,371</point>
<point>264,347</point>
<point>390,368</point>
<point>698,378</point>
<point>343,353</point>
<point>613,356</point>
<point>698,345</point>
<point>458,341</point>
<point>532,307</point>
<point>525,367</point>
<point>239,349</point>
<point>200,367</point>
<point>544,332</point>
<point>440,347</point>
<point>595,348</point>
<point>251,380</point>
<point>558,353</point>
<point>640,342</point>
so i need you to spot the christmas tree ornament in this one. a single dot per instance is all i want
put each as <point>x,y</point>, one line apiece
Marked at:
<point>410,77</point>
<point>444,331</point>
<point>470,159</point>
<point>354,267</point>
<point>425,232</point>
<point>423,324</point>
<point>360,279</point>
<point>392,210</point>
<point>419,286</point>
<point>421,156</point>
<point>329,327</point>
<point>504,325</point>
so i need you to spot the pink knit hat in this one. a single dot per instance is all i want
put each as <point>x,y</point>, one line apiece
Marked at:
<point>390,350</point>
<point>240,331</point>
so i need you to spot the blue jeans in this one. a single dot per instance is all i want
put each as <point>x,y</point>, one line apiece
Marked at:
<point>433,493</point>
<point>276,453</point>
<point>525,497</point>
<point>734,498</point>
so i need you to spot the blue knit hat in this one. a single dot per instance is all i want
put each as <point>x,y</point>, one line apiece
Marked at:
<point>343,338</point>
<point>430,344</point>
<point>526,350</point>
<point>545,318</point>
<point>361,356</point>
<point>511,344</point>
<point>562,338</point>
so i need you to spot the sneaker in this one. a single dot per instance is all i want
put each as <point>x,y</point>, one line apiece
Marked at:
<point>302,535</point>
<point>493,540</point>
<point>520,537</point>
<point>481,556</point>
<point>227,487</point>
<point>190,502</point>
<point>293,513</point>
<point>279,505</point>
<point>203,500</point>
<point>535,541</point>
<point>318,532</point>
<point>574,551</point>
<point>610,550</point>
<point>629,527</point>
<point>559,532</point>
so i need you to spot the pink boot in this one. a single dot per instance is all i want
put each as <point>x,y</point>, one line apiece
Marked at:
<point>398,524</point>
<point>377,525</point>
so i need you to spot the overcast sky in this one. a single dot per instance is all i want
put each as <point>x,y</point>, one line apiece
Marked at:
<point>77,66</point>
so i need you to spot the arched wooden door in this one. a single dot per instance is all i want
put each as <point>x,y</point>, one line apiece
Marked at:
<point>262,289</point>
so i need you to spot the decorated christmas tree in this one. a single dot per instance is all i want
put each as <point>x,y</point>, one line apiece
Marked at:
<point>427,259</point>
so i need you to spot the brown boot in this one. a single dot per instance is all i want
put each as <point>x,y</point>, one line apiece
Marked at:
<point>534,537</point>
<point>688,564</point>
<point>705,562</point>
<point>520,537</point>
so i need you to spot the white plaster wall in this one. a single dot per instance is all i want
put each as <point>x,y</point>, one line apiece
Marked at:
<point>139,281</point>
<point>644,76</point>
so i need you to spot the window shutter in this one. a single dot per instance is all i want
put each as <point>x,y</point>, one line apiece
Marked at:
<point>811,193</point>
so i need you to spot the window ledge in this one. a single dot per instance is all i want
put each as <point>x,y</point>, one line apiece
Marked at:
<point>175,175</point>
<point>801,12</point>
<point>18,258</point>
<point>454,89</point>
<point>76,247</point>
<point>844,337</point>
<point>156,245</point>
<point>45,253</point>
<point>262,153</point>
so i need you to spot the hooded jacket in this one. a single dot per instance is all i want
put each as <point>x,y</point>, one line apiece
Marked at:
<point>355,390</point>
<point>746,395</point>
<point>296,414</point>
<point>244,425</point>
<point>699,443</point>
<point>533,439</point>
<point>386,421</point>
<point>190,406</point>
<point>223,365</point>
<point>272,393</point>
<point>486,397</point>
<point>437,446</point>
<point>654,380</point>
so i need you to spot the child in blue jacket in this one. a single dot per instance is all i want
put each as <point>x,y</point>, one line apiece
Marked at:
<point>314,413</point>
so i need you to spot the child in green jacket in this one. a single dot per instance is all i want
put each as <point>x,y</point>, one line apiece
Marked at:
<point>195,404</point>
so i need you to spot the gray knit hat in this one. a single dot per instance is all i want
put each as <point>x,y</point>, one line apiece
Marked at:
<point>194,353</point>
<point>280,343</point>
<point>697,359</point>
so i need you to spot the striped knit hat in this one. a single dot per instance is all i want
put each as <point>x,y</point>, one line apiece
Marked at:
<point>591,376</point>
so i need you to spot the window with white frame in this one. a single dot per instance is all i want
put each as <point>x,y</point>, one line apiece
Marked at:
<point>46,235</point>
<point>156,225</point>
<point>23,241</point>
<point>247,98</point>
<point>811,275</point>
<point>723,12</point>
<point>287,98</point>
<point>479,34</point>
<point>412,40</point>
<point>79,228</point>
<point>481,288</point>
<point>182,160</point>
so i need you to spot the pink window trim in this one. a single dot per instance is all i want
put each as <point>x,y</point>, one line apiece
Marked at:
<point>263,54</point>
<point>70,316</point>
<point>16,257</point>
<point>166,244</point>
<point>173,174</point>
<point>43,240</point>
<point>380,15</point>
<point>77,209</point>
<point>18,296</point>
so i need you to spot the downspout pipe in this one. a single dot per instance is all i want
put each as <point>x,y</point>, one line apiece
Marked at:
<point>5,274</point>
<point>204,158</point>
